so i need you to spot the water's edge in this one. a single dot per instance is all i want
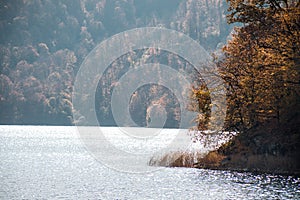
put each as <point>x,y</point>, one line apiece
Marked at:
<point>259,164</point>
<point>41,162</point>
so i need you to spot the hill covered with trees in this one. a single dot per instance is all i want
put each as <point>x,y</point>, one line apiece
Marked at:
<point>261,68</point>
<point>43,43</point>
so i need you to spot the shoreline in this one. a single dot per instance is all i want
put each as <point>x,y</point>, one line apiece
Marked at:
<point>213,161</point>
<point>253,151</point>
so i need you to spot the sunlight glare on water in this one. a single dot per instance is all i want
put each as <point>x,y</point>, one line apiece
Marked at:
<point>40,162</point>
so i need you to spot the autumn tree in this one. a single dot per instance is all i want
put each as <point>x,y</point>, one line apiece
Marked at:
<point>261,64</point>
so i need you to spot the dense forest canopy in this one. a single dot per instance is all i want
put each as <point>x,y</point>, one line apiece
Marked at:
<point>261,68</point>
<point>43,44</point>
<point>261,64</point>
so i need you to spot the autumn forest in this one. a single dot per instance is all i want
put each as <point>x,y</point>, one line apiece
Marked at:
<point>254,44</point>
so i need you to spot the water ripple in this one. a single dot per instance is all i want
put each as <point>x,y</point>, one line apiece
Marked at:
<point>51,163</point>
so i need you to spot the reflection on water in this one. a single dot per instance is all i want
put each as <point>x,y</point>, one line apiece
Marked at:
<point>51,162</point>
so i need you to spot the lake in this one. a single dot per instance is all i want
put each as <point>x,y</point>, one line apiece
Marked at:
<point>52,162</point>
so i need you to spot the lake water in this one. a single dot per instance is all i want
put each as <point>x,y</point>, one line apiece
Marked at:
<point>42,162</point>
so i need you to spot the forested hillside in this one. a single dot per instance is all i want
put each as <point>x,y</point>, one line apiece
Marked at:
<point>43,43</point>
<point>261,68</point>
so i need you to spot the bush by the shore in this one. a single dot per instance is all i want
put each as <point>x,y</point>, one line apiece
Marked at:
<point>257,150</point>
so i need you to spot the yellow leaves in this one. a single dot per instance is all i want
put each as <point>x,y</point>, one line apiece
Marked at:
<point>259,66</point>
<point>201,103</point>
<point>200,93</point>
